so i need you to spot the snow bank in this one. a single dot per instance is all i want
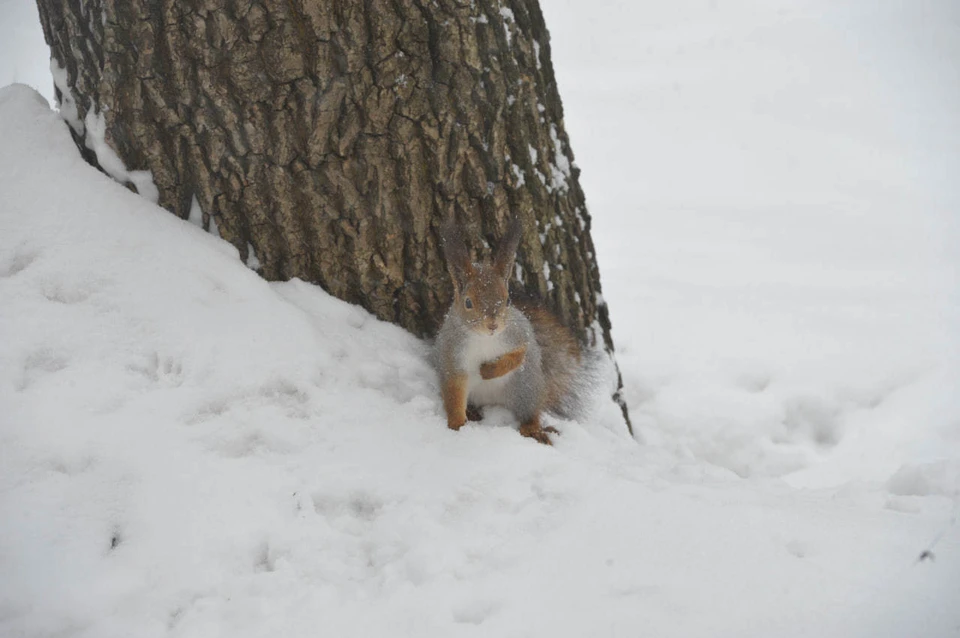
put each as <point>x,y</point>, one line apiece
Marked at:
<point>188,450</point>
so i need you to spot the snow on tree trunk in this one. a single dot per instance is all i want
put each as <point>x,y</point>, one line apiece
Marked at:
<point>329,139</point>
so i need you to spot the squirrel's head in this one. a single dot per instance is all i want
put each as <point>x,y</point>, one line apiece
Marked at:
<point>480,291</point>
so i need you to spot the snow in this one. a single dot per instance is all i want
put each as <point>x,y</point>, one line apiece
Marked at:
<point>508,18</point>
<point>252,262</point>
<point>186,449</point>
<point>95,140</point>
<point>67,104</point>
<point>520,180</point>
<point>560,168</point>
<point>213,228</point>
<point>196,213</point>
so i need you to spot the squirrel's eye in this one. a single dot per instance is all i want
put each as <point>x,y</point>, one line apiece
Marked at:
<point>468,303</point>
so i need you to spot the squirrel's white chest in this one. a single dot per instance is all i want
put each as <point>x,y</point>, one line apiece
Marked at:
<point>480,349</point>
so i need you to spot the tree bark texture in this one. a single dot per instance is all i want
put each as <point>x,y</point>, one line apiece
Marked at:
<point>332,138</point>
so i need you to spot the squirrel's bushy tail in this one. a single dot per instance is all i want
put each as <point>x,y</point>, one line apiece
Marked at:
<point>587,385</point>
<point>573,374</point>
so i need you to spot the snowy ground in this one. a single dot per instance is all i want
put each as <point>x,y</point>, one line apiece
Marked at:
<point>186,450</point>
<point>777,216</point>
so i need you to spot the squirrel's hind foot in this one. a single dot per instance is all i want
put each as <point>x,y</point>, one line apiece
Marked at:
<point>533,430</point>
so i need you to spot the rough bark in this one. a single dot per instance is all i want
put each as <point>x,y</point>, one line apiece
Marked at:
<point>332,137</point>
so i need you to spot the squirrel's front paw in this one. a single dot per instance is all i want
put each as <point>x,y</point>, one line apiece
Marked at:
<point>489,370</point>
<point>503,364</point>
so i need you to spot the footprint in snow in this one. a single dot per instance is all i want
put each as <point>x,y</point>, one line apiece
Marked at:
<point>476,612</point>
<point>21,261</point>
<point>40,364</point>
<point>159,369</point>
<point>64,293</point>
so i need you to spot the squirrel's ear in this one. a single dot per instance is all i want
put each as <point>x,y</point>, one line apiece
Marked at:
<point>458,257</point>
<point>507,250</point>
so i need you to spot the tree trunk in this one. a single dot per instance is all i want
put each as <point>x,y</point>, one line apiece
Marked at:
<point>329,139</point>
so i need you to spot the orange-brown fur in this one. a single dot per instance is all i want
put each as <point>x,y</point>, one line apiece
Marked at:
<point>455,401</point>
<point>503,364</point>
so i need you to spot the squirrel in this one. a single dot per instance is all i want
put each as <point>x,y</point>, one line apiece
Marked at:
<point>490,351</point>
